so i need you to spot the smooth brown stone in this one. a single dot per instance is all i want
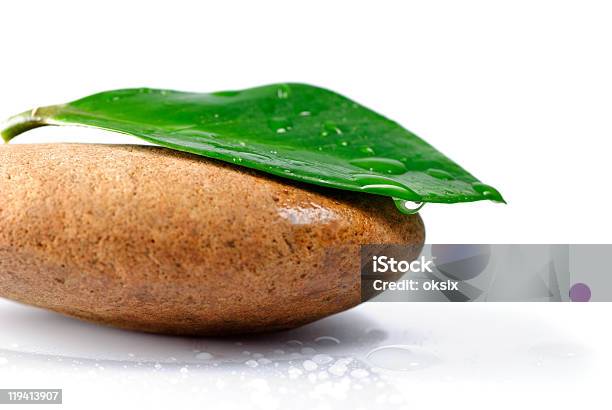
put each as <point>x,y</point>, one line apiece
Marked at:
<point>155,240</point>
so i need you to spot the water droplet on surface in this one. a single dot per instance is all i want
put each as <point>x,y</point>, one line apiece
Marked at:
<point>402,357</point>
<point>344,143</point>
<point>322,359</point>
<point>339,368</point>
<point>332,128</point>
<point>367,150</point>
<point>305,114</point>
<point>294,342</point>
<point>279,124</point>
<point>283,92</point>
<point>294,372</point>
<point>360,373</point>
<point>251,363</point>
<point>438,173</point>
<point>386,189</point>
<point>327,340</point>
<point>383,185</point>
<point>379,164</point>
<point>192,132</point>
<point>322,375</point>
<point>374,179</point>
<point>374,335</point>
<point>309,365</point>
<point>486,190</point>
<point>204,356</point>
<point>408,207</point>
<point>308,350</point>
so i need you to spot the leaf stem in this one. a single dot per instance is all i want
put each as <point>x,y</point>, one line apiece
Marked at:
<point>27,120</point>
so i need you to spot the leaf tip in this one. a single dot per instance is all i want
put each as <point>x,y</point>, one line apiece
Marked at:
<point>20,123</point>
<point>501,200</point>
<point>5,133</point>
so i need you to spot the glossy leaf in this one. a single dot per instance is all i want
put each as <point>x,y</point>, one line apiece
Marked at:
<point>295,131</point>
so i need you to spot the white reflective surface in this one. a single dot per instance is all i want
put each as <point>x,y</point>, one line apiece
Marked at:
<point>386,354</point>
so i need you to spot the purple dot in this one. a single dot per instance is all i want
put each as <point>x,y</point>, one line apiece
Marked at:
<point>580,292</point>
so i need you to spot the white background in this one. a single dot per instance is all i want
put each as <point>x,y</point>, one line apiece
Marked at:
<point>518,92</point>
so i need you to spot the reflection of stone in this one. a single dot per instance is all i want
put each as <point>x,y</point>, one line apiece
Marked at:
<point>461,262</point>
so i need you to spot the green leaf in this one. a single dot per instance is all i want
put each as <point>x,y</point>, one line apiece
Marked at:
<point>295,131</point>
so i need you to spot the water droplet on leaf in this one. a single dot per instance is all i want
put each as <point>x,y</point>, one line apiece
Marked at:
<point>438,173</point>
<point>383,185</point>
<point>332,128</point>
<point>408,207</point>
<point>279,124</point>
<point>367,150</point>
<point>283,92</point>
<point>486,190</point>
<point>382,165</point>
